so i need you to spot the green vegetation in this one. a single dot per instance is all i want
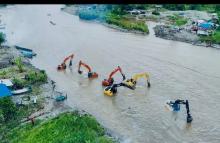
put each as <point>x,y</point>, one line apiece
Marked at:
<point>7,110</point>
<point>126,23</point>
<point>66,128</point>
<point>35,77</point>
<point>88,15</point>
<point>201,7</point>
<point>19,64</point>
<point>2,38</point>
<point>177,20</point>
<point>10,116</point>
<point>214,38</point>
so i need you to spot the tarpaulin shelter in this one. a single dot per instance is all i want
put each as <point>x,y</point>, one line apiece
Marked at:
<point>206,25</point>
<point>4,91</point>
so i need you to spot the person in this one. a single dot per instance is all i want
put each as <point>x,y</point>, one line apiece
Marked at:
<point>32,121</point>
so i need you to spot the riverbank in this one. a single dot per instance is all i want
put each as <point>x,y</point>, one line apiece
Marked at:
<point>43,110</point>
<point>177,24</point>
<point>109,19</point>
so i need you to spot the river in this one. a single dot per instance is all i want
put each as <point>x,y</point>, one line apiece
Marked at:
<point>177,70</point>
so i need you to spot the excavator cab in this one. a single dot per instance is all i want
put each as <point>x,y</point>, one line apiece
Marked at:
<point>176,107</point>
<point>111,90</point>
<point>91,74</point>
<point>107,82</point>
<point>110,80</point>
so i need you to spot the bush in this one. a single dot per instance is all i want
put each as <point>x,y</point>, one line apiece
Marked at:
<point>180,22</point>
<point>8,109</point>
<point>126,23</point>
<point>88,15</point>
<point>34,77</point>
<point>216,37</point>
<point>18,83</point>
<point>155,12</point>
<point>19,64</point>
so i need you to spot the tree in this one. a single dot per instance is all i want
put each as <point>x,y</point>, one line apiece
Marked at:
<point>19,64</point>
<point>8,109</point>
<point>2,38</point>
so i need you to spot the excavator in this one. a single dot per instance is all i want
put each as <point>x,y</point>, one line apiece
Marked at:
<point>112,90</point>
<point>62,66</point>
<point>131,83</point>
<point>110,80</point>
<point>175,105</point>
<point>90,73</point>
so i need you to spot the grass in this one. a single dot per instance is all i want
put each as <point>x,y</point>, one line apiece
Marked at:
<point>216,37</point>
<point>33,76</point>
<point>66,128</point>
<point>126,23</point>
<point>177,20</point>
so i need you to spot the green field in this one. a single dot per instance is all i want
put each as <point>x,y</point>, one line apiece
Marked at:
<point>66,128</point>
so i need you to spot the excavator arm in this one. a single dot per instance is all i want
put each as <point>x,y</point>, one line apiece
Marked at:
<point>111,90</point>
<point>110,80</point>
<point>62,66</point>
<point>131,83</point>
<point>90,73</point>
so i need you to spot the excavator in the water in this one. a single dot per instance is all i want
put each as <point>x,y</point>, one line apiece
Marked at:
<point>111,90</point>
<point>131,83</point>
<point>90,73</point>
<point>110,80</point>
<point>62,66</point>
<point>175,105</point>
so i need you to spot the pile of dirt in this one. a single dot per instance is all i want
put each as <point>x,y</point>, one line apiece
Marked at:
<point>169,33</point>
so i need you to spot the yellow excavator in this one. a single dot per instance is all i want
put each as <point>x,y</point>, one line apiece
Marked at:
<point>131,83</point>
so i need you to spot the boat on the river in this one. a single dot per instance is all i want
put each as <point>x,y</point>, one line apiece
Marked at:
<point>21,91</point>
<point>26,52</point>
<point>52,23</point>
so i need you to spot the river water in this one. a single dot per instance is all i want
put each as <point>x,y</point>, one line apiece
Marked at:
<point>177,70</point>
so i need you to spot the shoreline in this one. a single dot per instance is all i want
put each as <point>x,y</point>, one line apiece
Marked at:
<point>72,10</point>
<point>47,108</point>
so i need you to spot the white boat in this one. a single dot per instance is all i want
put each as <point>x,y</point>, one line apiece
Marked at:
<point>21,91</point>
<point>7,82</point>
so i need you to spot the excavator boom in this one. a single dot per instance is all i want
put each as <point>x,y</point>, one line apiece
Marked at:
<point>111,90</point>
<point>131,83</point>
<point>110,80</point>
<point>62,66</point>
<point>90,73</point>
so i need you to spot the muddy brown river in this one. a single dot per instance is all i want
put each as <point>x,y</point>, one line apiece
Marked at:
<point>177,70</point>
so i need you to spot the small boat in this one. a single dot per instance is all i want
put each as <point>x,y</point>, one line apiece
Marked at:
<point>21,91</point>
<point>52,23</point>
<point>26,52</point>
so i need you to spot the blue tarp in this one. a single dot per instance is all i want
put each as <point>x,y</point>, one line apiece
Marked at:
<point>4,91</point>
<point>206,25</point>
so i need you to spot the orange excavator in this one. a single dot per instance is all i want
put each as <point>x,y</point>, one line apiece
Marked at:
<point>62,66</point>
<point>90,73</point>
<point>110,80</point>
